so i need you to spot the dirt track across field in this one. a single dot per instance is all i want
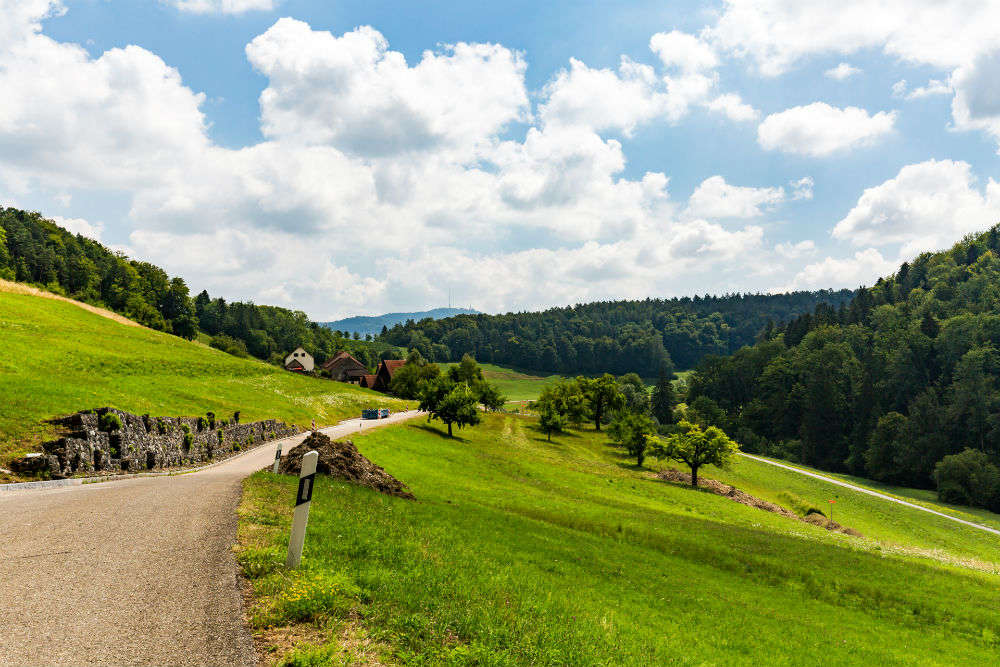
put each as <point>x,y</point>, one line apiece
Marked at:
<point>132,572</point>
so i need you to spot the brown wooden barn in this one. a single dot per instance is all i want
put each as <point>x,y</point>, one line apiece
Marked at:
<point>386,369</point>
<point>345,368</point>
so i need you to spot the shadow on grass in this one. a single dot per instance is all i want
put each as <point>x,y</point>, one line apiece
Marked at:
<point>440,432</point>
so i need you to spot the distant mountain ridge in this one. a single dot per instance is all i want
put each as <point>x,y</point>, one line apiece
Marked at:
<point>372,324</point>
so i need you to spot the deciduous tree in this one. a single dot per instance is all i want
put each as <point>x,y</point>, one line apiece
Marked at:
<point>696,447</point>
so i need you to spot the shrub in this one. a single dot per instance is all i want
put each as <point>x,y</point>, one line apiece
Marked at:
<point>202,423</point>
<point>161,427</point>
<point>185,428</point>
<point>798,505</point>
<point>236,417</point>
<point>109,422</point>
<point>968,478</point>
<point>219,435</point>
<point>211,419</point>
<point>188,441</point>
<point>230,345</point>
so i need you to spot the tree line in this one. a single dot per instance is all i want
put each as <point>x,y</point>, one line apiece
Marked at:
<point>900,385</point>
<point>38,251</point>
<point>611,336</point>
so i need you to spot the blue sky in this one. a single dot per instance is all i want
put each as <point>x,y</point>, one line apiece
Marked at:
<point>538,154</point>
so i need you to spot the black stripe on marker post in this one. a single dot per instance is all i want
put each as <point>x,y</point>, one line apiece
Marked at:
<point>305,493</point>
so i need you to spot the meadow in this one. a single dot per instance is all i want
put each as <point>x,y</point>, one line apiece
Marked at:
<point>516,385</point>
<point>520,551</point>
<point>59,358</point>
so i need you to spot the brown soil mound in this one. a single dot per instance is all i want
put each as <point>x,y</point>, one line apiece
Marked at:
<point>677,477</point>
<point>343,461</point>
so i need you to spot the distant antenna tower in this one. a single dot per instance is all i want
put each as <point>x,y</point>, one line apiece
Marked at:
<point>449,297</point>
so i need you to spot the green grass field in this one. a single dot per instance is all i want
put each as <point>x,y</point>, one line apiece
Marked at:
<point>520,551</point>
<point>924,497</point>
<point>520,386</point>
<point>59,358</point>
<point>517,386</point>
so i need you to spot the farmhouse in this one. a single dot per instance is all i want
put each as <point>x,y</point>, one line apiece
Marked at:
<point>299,361</point>
<point>386,369</point>
<point>345,368</point>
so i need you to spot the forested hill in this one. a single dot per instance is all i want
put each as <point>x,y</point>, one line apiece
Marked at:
<point>905,376</point>
<point>374,324</point>
<point>38,251</point>
<point>611,336</point>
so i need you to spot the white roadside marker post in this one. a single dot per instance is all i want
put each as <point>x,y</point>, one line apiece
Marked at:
<point>301,516</point>
<point>277,459</point>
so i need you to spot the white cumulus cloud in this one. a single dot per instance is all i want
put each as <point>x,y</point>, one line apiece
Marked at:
<point>733,107</point>
<point>80,226</point>
<point>354,93</point>
<point>601,99</point>
<point>976,105</point>
<point>802,188</point>
<point>955,36</point>
<point>819,129</point>
<point>714,198</point>
<point>928,205</point>
<point>841,72</point>
<point>863,268</point>
<point>222,6</point>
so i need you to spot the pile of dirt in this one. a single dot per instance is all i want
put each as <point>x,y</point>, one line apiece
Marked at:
<point>677,477</point>
<point>342,460</point>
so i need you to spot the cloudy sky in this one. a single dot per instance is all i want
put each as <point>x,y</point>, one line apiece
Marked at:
<point>344,158</point>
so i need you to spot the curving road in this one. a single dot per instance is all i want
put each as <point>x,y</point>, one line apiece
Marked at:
<point>131,572</point>
<point>861,489</point>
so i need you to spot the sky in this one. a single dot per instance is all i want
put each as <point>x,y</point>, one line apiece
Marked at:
<point>344,158</point>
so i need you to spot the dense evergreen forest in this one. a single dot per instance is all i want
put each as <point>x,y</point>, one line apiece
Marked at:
<point>612,336</point>
<point>903,378</point>
<point>35,250</point>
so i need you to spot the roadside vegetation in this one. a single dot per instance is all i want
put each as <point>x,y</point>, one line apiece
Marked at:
<point>524,551</point>
<point>60,358</point>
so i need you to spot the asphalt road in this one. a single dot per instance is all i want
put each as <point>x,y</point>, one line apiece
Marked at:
<point>132,572</point>
<point>883,496</point>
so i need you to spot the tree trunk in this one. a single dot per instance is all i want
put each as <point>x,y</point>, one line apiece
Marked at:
<point>549,434</point>
<point>694,476</point>
<point>597,418</point>
<point>449,430</point>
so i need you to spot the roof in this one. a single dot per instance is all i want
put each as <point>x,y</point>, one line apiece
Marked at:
<point>392,365</point>
<point>294,365</point>
<point>368,380</point>
<point>342,359</point>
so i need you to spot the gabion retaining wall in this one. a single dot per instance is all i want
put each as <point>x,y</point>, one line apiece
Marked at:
<point>145,443</point>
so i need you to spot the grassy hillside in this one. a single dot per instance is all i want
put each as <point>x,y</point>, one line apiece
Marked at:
<point>515,385</point>
<point>59,358</point>
<point>520,551</point>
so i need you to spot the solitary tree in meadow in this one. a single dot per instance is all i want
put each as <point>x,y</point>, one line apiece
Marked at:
<point>550,419</point>
<point>453,404</point>
<point>696,447</point>
<point>634,432</point>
